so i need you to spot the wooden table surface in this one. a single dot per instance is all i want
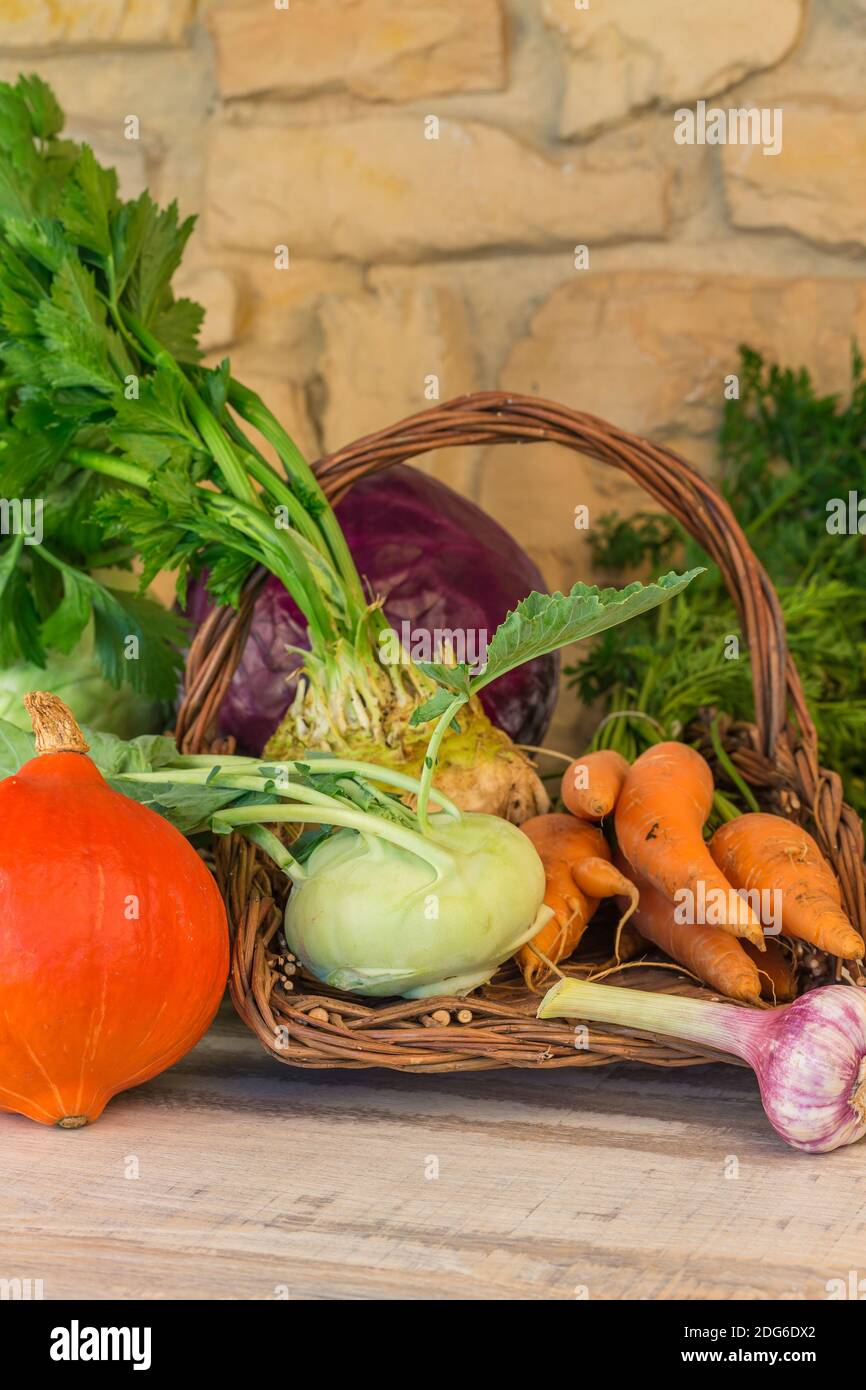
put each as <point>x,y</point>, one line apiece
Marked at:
<point>232,1177</point>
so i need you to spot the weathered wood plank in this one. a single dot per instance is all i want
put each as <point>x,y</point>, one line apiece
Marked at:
<point>255,1181</point>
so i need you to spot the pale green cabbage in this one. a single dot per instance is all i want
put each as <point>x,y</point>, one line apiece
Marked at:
<point>78,680</point>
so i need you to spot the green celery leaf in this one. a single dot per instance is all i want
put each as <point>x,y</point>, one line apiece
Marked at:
<point>63,628</point>
<point>46,116</point>
<point>157,410</point>
<point>89,202</point>
<point>24,622</point>
<point>177,327</point>
<point>148,286</point>
<point>130,228</point>
<point>151,663</point>
<point>75,333</point>
<point>28,459</point>
<point>543,623</point>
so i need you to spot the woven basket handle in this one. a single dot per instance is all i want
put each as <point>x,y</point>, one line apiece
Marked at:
<point>785,732</point>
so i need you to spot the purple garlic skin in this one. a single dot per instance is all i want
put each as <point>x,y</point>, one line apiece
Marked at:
<point>810,1060</point>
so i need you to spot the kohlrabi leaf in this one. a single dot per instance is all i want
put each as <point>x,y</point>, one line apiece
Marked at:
<point>189,807</point>
<point>147,753</point>
<point>112,755</point>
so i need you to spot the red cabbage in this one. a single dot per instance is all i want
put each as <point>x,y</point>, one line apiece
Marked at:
<point>439,562</point>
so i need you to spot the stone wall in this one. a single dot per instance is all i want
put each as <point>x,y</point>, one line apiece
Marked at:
<point>430,167</point>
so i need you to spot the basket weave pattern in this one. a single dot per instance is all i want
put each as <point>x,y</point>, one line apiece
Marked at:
<point>299,1021</point>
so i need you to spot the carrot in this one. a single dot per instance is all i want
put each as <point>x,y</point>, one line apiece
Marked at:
<point>659,817</point>
<point>763,852</point>
<point>591,784</point>
<point>708,952</point>
<point>578,873</point>
<point>777,969</point>
<point>598,878</point>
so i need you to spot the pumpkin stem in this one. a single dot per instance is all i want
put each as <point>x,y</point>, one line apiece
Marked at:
<point>53,725</point>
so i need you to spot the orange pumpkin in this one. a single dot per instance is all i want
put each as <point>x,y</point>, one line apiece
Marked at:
<point>113,934</point>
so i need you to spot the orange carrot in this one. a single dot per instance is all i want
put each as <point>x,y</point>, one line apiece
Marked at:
<point>777,969</point>
<point>598,878</point>
<point>591,784</point>
<point>659,817</point>
<point>578,873</point>
<point>759,852</point>
<point>708,952</point>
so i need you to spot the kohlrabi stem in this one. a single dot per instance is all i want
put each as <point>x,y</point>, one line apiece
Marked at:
<point>275,850</point>
<point>238,816</point>
<point>236,762</point>
<point>722,1026</point>
<point>292,791</point>
<point>236,781</point>
<point>431,758</point>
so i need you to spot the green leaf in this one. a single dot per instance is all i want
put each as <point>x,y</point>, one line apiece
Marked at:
<point>19,620</point>
<point>129,231</point>
<point>16,748</point>
<point>73,325</point>
<point>543,623</point>
<point>120,615</point>
<point>46,116</point>
<point>147,753</point>
<point>158,409</point>
<point>63,629</point>
<point>161,250</point>
<point>9,558</point>
<point>34,164</point>
<point>189,806</point>
<point>112,755</point>
<point>135,639</point>
<point>438,702</point>
<point>89,202</point>
<point>177,327</point>
<point>457,677</point>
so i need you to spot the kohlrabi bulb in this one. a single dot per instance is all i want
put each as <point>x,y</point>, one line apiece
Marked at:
<point>378,919</point>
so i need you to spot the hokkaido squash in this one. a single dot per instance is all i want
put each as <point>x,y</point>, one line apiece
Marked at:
<point>113,934</point>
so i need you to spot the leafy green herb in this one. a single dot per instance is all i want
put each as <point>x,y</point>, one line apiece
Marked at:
<point>785,452</point>
<point>138,452</point>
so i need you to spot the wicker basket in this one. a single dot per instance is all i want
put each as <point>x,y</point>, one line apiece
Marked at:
<point>303,1024</point>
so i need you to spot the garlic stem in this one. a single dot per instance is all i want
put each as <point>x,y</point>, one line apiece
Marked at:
<point>722,1026</point>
